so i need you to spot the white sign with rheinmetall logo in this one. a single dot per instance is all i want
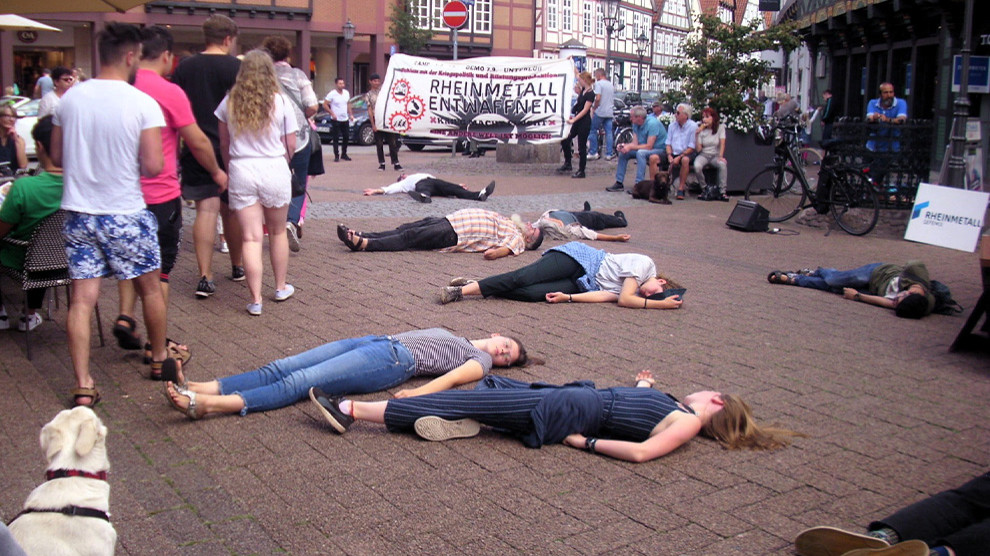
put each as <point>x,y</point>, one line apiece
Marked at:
<point>947,217</point>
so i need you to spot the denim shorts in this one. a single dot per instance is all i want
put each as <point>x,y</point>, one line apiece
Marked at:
<point>124,246</point>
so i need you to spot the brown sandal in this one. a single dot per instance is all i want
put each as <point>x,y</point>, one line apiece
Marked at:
<point>157,366</point>
<point>175,350</point>
<point>92,393</point>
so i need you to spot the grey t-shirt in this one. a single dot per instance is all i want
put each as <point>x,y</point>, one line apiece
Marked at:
<point>616,268</point>
<point>606,108</point>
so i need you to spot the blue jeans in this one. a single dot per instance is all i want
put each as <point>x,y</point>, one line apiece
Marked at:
<point>300,171</point>
<point>351,366</point>
<point>642,157</point>
<point>832,280</point>
<point>596,123</point>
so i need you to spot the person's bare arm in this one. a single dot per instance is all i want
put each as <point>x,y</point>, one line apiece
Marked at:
<point>202,150</point>
<point>374,191</point>
<point>224,145</point>
<point>56,144</point>
<point>497,253</point>
<point>879,301</point>
<point>683,428</point>
<point>468,372</point>
<point>150,152</point>
<point>613,237</point>
<point>599,296</point>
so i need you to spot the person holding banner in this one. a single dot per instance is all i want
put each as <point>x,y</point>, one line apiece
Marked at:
<point>580,122</point>
<point>381,136</point>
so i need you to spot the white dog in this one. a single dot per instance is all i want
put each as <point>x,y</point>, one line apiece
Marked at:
<point>69,514</point>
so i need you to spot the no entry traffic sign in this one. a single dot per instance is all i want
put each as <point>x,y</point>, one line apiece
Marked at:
<point>455,14</point>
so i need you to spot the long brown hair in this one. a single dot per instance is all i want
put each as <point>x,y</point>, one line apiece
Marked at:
<point>735,428</point>
<point>715,119</point>
<point>671,284</point>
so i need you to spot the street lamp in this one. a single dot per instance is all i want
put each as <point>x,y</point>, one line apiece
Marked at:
<point>348,39</point>
<point>642,43</point>
<point>610,11</point>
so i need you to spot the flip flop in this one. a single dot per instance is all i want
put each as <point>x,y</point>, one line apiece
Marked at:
<point>92,393</point>
<point>125,333</point>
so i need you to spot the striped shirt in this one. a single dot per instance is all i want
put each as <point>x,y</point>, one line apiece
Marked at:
<point>480,230</point>
<point>437,351</point>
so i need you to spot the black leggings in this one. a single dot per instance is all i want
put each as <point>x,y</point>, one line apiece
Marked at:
<point>439,188</point>
<point>579,129</point>
<point>554,272</point>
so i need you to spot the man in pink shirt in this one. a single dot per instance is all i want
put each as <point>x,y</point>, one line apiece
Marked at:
<point>162,193</point>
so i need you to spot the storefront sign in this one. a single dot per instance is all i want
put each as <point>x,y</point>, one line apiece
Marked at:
<point>27,37</point>
<point>503,99</point>
<point>947,217</point>
<point>979,74</point>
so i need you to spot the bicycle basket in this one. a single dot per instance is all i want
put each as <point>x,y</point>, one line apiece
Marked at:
<point>763,135</point>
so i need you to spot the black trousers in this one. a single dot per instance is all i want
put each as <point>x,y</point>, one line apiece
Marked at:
<point>340,131</point>
<point>425,235</point>
<point>440,188</point>
<point>594,220</point>
<point>958,518</point>
<point>393,147</point>
<point>579,129</point>
<point>553,272</point>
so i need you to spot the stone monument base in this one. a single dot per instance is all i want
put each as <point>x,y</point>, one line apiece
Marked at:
<point>543,153</point>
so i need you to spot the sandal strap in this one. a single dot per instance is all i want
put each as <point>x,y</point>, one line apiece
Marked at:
<point>191,409</point>
<point>130,321</point>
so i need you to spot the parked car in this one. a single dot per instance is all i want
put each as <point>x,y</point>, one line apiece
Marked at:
<point>419,143</point>
<point>361,132</point>
<point>27,116</point>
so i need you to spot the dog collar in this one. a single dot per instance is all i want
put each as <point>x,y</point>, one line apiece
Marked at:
<point>70,511</point>
<point>63,473</point>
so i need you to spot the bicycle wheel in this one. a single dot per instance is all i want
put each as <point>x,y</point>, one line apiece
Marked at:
<point>624,135</point>
<point>854,203</point>
<point>778,190</point>
<point>811,162</point>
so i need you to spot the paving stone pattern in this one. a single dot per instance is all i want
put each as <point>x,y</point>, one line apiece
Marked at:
<point>891,416</point>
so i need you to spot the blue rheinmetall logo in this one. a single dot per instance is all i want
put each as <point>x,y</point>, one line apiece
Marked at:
<point>918,208</point>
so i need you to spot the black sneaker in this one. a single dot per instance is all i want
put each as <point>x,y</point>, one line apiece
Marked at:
<point>336,159</point>
<point>330,408</point>
<point>621,215</point>
<point>616,187</point>
<point>421,197</point>
<point>487,191</point>
<point>206,288</point>
<point>396,166</point>
<point>381,167</point>
<point>345,158</point>
<point>587,206</point>
<point>237,273</point>
<point>579,174</point>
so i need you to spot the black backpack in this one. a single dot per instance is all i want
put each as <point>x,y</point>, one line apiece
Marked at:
<point>944,304</point>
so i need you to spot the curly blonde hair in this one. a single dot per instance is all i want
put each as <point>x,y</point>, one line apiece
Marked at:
<point>252,98</point>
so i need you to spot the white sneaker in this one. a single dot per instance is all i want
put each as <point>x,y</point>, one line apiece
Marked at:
<point>282,295</point>
<point>436,429</point>
<point>29,322</point>
<point>254,309</point>
<point>292,236</point>
<point>224,248</point>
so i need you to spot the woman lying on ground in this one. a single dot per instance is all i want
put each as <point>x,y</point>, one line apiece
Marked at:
<point>351,366</point>
<point>632,424</point>
<point>577,273</point>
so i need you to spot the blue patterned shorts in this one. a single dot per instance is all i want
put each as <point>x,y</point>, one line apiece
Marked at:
<point>124,246</point>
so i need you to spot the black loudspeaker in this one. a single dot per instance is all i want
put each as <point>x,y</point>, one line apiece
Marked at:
<point>749,216</point>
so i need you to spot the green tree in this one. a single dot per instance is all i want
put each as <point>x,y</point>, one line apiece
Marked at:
<point>403,30</point>
<point>723,64</point>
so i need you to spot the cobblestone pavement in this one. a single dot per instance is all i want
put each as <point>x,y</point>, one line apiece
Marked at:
<point>891,416</point>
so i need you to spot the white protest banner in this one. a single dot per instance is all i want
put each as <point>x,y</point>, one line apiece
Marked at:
<point>947,217</point>
<point>496,99</point>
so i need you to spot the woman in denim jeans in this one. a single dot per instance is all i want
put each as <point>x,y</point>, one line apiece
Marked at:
<point>350,366</point>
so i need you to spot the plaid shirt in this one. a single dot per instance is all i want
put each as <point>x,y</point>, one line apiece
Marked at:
<point>479,230</point>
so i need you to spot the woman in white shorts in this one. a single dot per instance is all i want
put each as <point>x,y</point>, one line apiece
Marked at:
<point>257,137</point>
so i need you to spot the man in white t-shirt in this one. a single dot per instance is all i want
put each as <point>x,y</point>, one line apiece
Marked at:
<point>423,187</point>
<point>63,79</point>
<point>107,135</point>
<point>338,106</point>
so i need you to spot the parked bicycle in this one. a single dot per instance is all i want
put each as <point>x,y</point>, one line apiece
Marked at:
<point>784,187</point>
